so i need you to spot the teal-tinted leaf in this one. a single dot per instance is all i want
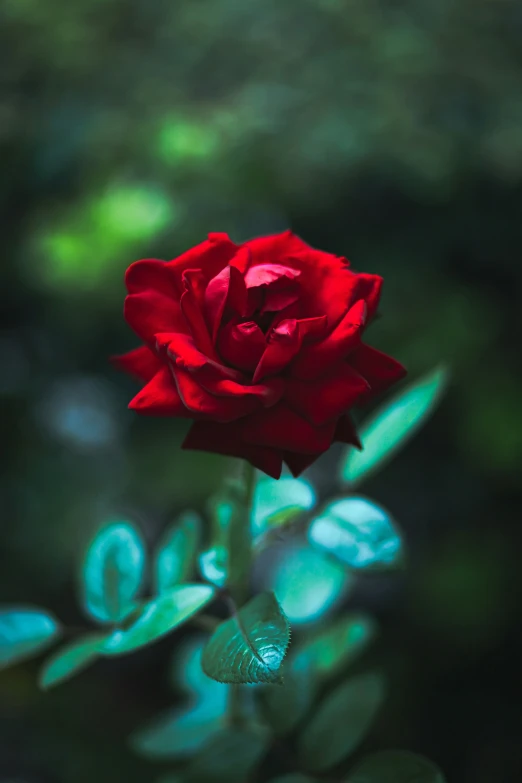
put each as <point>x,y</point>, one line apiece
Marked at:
<point>308,583</point>
<point>358,532</point>
<point>176,733</point>
<point>395,766</point>
<point>113,572</point>
<point>24,633</point>
<point>341,722</point>
<point>228,756</point>
<point>188,674</point>
<point>393,424</point>
<point>71,659</point>
<point>249,647</point>
<point>277,502</point>
<point>285,707</point>
<point>158,617</point>
<point>180,732</point>
<point>331,650</point>
<point>174,560</point>
<point>213,565</point>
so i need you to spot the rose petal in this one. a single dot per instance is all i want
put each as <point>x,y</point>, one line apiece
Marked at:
<point>226,439</point>
<point>153,274</point>
<point>282,428</point>
<point>159,397</point>
<point>284,342</point>
<point>149,312</point>
<point>209,256</point>
<point>327,398</point>
<point>226,289</point>
<point>192,302</point>
<point>299,462</point>
<point>265,274</point>
<point>265,249</point>
<point>318,357</point>
<point>345,432</point>
<point>141,362</point>
<point>241,344</point>
<point>379,369</point>
<point>204,404</point>
<point>182,350</point>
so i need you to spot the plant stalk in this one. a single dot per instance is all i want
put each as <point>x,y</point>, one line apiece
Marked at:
<point>240,551</point>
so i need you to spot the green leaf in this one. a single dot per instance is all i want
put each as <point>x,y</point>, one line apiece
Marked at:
<point>231,755</point>
<point>285,707</point>
<point>180,732</point>
<point>331,650</point>
<point>359,533</point>
<point>213,565</point>
<point>113,572</point>
<point>158,617</point>
<point>24,633</point>
<point>393,424</point>
<point>174,560</point>
<point>187,674</point>
<point>250,647</point>
<point>176,733</point>
<point>278,502</point>
<point>70,660</point>
<point>341,722</point>
<point>395,766</point>
<point>308,583</point>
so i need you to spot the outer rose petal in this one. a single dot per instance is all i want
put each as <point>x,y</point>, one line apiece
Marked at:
<point>226,439</point>
<point>149,312</point>
<point>154,275</point>
<point>141,362</point>
<point>327,398</point>
<point>345,432</point>
<point>159,397</point>
<point>299,462</point>
<point>282,428</point>
<point>203,404</point>
<point>210,256</point>
<point>191,302</point>
<point>317,358</point>
<point>380,370</point>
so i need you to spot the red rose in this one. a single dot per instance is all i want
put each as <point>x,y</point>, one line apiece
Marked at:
<point>259,344</point>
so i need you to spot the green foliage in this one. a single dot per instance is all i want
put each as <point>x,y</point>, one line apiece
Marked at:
<point>341,722</point>
<point>213,565</point>
<point>251,645</point>
<point>181,732</point>
<point>276,503</point>
<point>285,707</point>
<point>358,532</point>
<point>71,659</point>
<point>24,633</point>
<point>159,617</point>
<point>393,425</point>
<point>230,756</point>
<point>395,766</point>
<point>112,572</point>
<point>174,560</point>
<point>330,651</point>
<point>308,583</point>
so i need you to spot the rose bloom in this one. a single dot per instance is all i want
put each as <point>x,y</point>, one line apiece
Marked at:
<point>259,344</point>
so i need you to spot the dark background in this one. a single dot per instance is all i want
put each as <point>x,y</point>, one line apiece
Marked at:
<point>389,132</point>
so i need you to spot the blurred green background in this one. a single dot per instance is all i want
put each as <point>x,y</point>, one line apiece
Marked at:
<point>387,131</point>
